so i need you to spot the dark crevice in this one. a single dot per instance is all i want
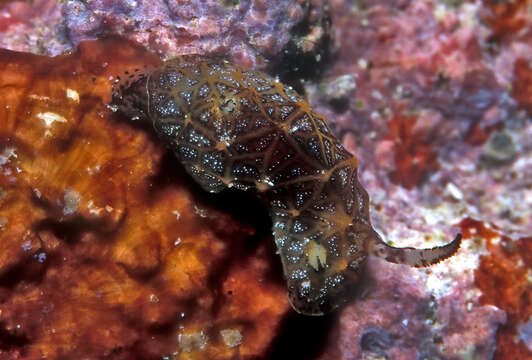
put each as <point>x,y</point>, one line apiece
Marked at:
<point>32,267</point>
<point>302,337</point>
<point>249,211</point>
<point>71,230</point>
<point>10,341</point>
<point>294,64</point>
<point>29,270</point>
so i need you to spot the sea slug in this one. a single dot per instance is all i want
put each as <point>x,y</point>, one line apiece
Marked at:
<point>232,127</point>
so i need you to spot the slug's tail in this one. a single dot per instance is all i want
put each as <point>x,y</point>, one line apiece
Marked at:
<point>412,256</point>
<point>129,93</point>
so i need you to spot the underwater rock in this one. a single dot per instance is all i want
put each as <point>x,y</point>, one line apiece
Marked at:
<point>34,27</point>
<point>247,31</point>
<point>105,249</point>
<point>448,73</point>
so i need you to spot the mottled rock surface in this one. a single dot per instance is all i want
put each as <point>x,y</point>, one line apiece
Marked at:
<point>249,32</point>
<point>440,115</point>
<point>434,97</point>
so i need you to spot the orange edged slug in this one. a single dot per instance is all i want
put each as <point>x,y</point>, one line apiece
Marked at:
<point>232,127</point>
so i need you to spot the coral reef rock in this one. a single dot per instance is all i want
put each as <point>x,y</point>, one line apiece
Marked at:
<point>104,250</point>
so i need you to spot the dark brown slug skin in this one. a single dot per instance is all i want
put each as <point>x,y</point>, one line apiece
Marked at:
<point>232,127</point>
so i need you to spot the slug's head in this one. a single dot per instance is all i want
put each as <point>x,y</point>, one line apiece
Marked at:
<point>130,94</point>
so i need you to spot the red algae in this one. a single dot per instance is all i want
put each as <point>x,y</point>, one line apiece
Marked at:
<point>414,157</point>
<point>100,256</point>
<point>507,18</point>
<point>522,87</point>
<point>503,278</point>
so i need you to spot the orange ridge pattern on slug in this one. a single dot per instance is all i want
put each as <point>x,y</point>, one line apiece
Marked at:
<point>232,127</point>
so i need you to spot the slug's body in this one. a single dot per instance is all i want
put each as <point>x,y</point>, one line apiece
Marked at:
<point>232,127</point>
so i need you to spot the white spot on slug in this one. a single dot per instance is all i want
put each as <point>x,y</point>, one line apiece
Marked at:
<point>317,255</point>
